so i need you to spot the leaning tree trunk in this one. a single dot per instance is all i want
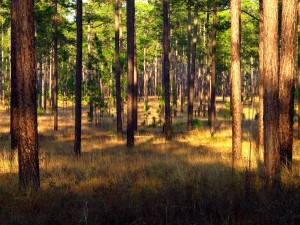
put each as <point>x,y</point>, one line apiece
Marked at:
<point>166,68</point>
<point>271,105</point>
<point>130,72</point>
<point>213,73</point>
<point>286,80</point>
<point>24,133</point>
<point>78,81</point>
<point>118,69</point>
<point>235,7</point>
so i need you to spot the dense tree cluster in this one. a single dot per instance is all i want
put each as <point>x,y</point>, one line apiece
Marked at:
<point>107,54</point>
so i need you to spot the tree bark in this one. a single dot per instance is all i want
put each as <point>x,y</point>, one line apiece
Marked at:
<point>213,73</point>
<point>286,80</point>
<point>118,69</point>
<point>78,81</point>
<point>193,71</point>
<point>298,83</point>
<point>260,135</point>
<point>271,104</point>
<point>166,69</point>
<point>145,80</point>
<point>189,37</point>
<point>235,7</point>
<point>24,133</point>
<point>130,72</point>
<point>55,64</point>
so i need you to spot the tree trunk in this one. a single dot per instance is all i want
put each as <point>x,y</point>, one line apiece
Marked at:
<point>55,75</point>
<point>78,81</point>
<point>40,82</point>
<point>90,73</point>
<point>24,131</point>
<point>166,69</point>
<point>2,81</point>
<point>271,105</point>
<point>260,133</point>
<point>45,84</point>
<point>235,7</point>
<point>213,73</point>
<point>298,83</point>
<point>145,81</point>
<point>135,82</point>
<point>192,72</point>
<point>189,78</point>
<point>118,69</point>
<point>130,72</point>
<point>286,80</point>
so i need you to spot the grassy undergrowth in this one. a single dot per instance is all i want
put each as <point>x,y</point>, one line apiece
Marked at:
<point>188,180</point>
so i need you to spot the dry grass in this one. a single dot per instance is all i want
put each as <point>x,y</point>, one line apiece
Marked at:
<point>185,181</point>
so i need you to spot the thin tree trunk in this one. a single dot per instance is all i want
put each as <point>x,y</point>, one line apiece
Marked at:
<point>90,73</point>
<point>189,78</point>
<point>271,105</point>
<point>166,68</point>
<point>192,72</point>
<point>136,81</point>
<point>235,7</point>
<point>78,81</point>
<point>130,72</point>
<point>24,131</point>
<point>286,80</point>
<point>213,73</point>
<point>298,83</point>
<point>145,81</point>
<point>55,75</point>
<point>260,135</point>
<point>2,92</point>
<point>40,82</point>
<point>118,69</point>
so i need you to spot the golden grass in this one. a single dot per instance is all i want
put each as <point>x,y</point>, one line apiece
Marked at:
<point>183,181</point>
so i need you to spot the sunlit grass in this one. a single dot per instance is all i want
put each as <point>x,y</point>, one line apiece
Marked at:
<point>188,180</point>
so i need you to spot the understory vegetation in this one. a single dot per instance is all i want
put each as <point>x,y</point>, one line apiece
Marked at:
<point>188,180</point>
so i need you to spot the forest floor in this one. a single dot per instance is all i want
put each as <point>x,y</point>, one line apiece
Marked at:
<point>188,180</point>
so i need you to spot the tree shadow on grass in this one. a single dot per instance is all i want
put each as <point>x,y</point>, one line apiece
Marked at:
<point>177,184</point>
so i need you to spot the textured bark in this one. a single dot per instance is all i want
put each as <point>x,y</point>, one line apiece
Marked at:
<point>55,64</point>
<point>235,6</point>
<point>130,72</point>
<point>191,79</point>
<point>271,104</point>
<point>23,94</point>
<point>286,80</point>
<point>2,93</point>
<point>188,52</point>
<point>166,68</point>
<point>298,83</point>
<point>213,73</point>
<point>118,69</point>
<point>260,135</point>
<point>78,80</point>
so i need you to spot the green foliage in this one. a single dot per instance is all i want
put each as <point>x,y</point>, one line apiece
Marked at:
<point>227,114</point>
<point>197,123</point>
